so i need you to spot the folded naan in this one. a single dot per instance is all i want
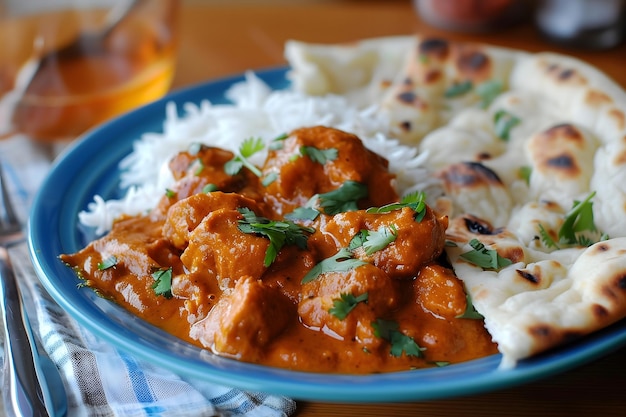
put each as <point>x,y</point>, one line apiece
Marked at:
<point>529,154</point>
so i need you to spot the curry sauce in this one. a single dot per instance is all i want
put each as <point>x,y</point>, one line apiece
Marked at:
<point>311,262</point>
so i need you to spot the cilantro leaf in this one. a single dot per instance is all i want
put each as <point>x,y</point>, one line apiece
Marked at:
<point>458,89</point>
<point>279,233</point>
<point>107,263</point>
<point>163,282</point>
<point>303,213</point>
<point>195,148</point>
<point>388,330</point>
<point>345,304</point>
<point>546,238</point>
<point>199,167</point>
<point>488,91</point>
<point>485,258</point>
<point>269,178</point>
<point>248,148</point>
<point>470,312</point>
<point>321,156</point>
<point>358,240</point>
<point>169,193</point>
<point>524,173</point>
<point>416,201</point>
<point>344,198</point>
<point>277,143</point>
<point>379,239</point>
<point>504,122</point>
<point>576,221</point>
<point>209,188</point>
<point>340,262</point>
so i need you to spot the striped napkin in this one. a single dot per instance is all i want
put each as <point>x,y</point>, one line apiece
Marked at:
<point>100,380</point>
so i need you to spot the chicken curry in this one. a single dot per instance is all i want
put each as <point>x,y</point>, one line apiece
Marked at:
<point>310,262</point>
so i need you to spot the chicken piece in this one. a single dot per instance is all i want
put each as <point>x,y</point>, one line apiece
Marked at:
<point>300,177</point>
<point>287,271</point>
<point>416,242</point>
<point>197,293</point>
<point>195,170</point>
<point>319,296</point>
<point>245,320</point>
<point>219,248</point>
<point>440,292</point>
<point>185,215</point>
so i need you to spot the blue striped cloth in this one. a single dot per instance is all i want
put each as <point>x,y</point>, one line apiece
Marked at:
<point>100,380</point>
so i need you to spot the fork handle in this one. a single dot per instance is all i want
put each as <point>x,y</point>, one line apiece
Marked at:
<point>24,392</point>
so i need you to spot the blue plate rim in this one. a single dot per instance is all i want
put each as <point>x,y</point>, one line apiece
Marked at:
<point>52,227</point>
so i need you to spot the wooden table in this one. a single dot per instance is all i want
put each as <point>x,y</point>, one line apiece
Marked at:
<point>219,38</point>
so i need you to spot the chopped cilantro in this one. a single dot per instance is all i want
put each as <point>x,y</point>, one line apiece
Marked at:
<point>546,238</point>
<point>488,91</point>
<point>269,178</point>
<point>209,188</point>
<point>170,193</point>
<point>388,330</point>
<point>303,213</point>
<point>107,263</point>
<point>277,143</point>
<point>458,89</point>
<point>279,233</point>
<point>358,240</point>
<point>485,258</point>
<point>504,122</point>
<point>379,239</point>
<point>578,220</point>
<point>524,173</point>
<point>416,201</point>
<point>321,156</point>
<point>194,148</point>
<point>344,198</point>
<point>162,282</point>
<point>199,167</point>
<point>340,262</point>
<point>345,304</point>
<point>470,312</point>
<point>248,148</point>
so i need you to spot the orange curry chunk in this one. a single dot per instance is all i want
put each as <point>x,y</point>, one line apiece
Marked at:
<point>245,320</point>
<point>300,175</point>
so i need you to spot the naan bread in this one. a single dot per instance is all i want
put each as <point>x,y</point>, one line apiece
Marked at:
<point>566,130</point>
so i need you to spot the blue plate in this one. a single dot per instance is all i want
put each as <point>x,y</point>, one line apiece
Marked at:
<point>91,167</point>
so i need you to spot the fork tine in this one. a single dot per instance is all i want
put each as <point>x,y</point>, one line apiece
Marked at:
<point>8,218</point>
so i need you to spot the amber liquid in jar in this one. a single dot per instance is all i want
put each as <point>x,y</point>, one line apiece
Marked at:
<point>69,96</point>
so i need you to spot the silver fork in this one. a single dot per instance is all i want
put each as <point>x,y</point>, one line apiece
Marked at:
<point>22,391</point>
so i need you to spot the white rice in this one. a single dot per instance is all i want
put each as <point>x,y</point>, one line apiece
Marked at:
<point>257,111</point>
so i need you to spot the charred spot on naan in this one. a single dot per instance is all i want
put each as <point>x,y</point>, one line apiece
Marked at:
<point>479,226</point>
<point>436,48</point>
<point>548,336</point>
<point>469,175</point>
<point>474,65</point>
<point>562,163</point>
<point>551,150</point>
<point>475,188</point>
<point>564,75</point>
<point>527,276</point>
